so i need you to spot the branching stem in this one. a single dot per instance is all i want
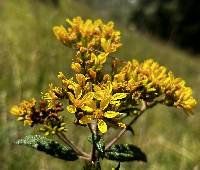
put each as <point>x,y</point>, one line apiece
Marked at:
<point>79,152</point>
<point>144,107</point>
<point>116,138</point>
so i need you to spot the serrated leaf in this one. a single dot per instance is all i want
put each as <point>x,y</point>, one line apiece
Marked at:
<point>48,146</point>
<point>125,152</point>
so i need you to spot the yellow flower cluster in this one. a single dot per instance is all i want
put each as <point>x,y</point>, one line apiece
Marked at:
<point>148,80</point>
<point>95,96</point>
<point>88,35</point>
<point>53,95</point>
<point>93,42</point>
<point>90,102</point>
<point>32,113</point>
<point>24,111</point>
<point>178,94</point>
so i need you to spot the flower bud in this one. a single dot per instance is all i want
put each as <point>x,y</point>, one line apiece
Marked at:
<point>76,67</point>
<point>92,74</point>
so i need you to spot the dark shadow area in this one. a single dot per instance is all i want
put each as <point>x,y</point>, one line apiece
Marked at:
<point>172,20</point>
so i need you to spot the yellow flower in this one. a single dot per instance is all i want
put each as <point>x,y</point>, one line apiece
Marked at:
<point>178,93</point>
<point>100,59</point>
<point>156,81</point>
<point>60,33</point>
<point>52,95</point>
<point>79,100</point>
<point>88,34</point>
<point>65,82</point>
<point>24,110</point>
<point>99,113</point>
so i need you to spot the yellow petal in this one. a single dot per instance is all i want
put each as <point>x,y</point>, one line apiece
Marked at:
<point>118,96</point>
<point>87,109</point>
<point>111,114</point>
<point>102,126</point>
<point>93,58</point>
<point>60,32</point>
<point>69,22</point>
<point>109,87</point>
<point>20,118</point>
<point>88,96</point>
<point>91,104</point>
<point>105,44</point>
<point>71,97</point>
<point>27,122</point>
<point>115,102</point>
<point>15,110</point>
<point>86,119</point>
<point>78,91</point>
<point>71,109</point>
<point>99,95</point>
<point>97,88</point>
<point>104,103</point>
<point>102,58</point>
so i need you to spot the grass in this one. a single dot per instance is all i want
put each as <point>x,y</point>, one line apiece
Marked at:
<point>30,58</point>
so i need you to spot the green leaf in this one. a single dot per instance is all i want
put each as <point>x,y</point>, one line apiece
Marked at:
<point>48,146</point>
<point>125,152</point>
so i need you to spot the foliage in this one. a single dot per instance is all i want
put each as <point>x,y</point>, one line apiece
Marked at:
<point>126,152</point>
<point>100,98</point>
<point>175,20</point>
<point>48,146</point>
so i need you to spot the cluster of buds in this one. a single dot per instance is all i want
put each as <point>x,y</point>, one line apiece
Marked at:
<point>32,113</point>
<point>149,80</point>
<point>95,96</point>
<point>92,42</point>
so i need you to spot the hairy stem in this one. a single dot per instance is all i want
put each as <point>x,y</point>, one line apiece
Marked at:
<point>93,129</point>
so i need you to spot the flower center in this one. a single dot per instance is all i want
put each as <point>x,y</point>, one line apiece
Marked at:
<point>98,114</point>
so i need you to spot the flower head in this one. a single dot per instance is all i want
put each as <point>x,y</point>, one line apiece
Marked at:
<point>102,107</point>
<point>93,41</point>
<point>96,94</point>
<point>148,80</point>
<point>32,113</point>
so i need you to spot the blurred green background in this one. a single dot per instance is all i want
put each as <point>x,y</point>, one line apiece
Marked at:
<point>31,57</point>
